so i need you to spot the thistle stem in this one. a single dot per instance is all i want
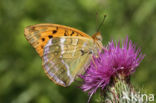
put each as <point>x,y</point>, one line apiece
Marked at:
<point>120,91</point>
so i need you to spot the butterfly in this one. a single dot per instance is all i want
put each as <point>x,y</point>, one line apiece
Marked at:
<point>65,51</point>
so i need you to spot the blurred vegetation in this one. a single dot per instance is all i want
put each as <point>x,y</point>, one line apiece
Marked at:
<point>22,79</point>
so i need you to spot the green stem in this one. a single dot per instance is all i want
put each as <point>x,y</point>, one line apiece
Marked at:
<point>120,91</point>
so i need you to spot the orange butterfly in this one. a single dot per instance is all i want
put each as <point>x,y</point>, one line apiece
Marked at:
<point>65,51</point>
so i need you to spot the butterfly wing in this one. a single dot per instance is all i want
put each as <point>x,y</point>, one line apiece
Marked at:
<point>38,35</point>
<point>66,57</point>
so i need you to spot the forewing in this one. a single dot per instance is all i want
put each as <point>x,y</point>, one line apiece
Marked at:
<point>38,35</point>
<point>66,57</point>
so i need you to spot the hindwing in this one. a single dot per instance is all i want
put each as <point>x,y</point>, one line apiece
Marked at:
<point>66,57</point>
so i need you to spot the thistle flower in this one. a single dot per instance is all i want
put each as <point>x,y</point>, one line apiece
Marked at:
<point>111,61</point>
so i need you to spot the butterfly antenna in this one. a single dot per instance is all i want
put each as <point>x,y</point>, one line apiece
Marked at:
<point>96,20</point>
<point>102,22</point>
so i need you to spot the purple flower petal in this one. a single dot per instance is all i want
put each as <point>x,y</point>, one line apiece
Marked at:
<point>113,60</point>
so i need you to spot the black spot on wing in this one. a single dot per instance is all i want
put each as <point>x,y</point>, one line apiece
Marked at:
<point>72,33</point>
<point>82,52</point>
<point>43,39</point>
<point>50,36</point>
<point>54,31</point>
<point>65,34</point>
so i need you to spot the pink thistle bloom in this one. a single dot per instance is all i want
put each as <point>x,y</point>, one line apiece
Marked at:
<point>110,62</point>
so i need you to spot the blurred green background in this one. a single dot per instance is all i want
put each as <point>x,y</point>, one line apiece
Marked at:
<point>22,79</point>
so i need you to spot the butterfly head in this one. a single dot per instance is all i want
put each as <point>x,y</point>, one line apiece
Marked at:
<point>98,40</point>
<point>97,36</point>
